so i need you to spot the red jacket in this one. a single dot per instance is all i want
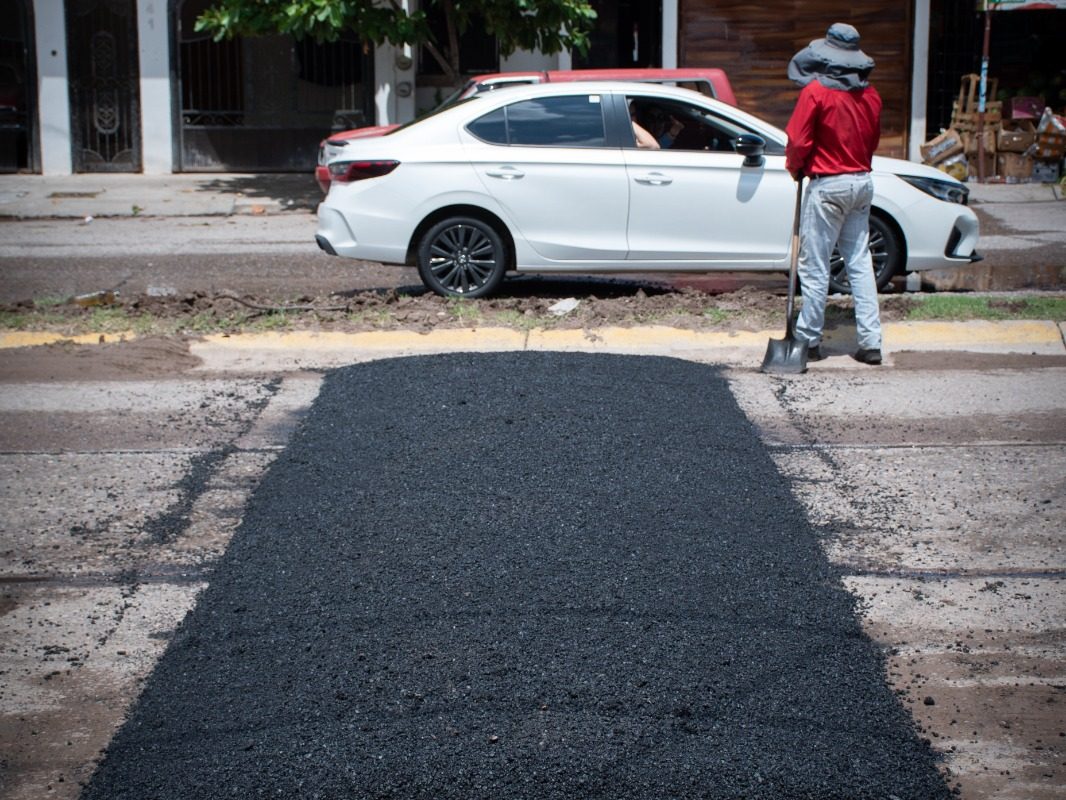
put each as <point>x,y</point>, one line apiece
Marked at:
<point>832,131</point>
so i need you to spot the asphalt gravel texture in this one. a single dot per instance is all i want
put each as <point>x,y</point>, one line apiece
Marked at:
<point>522,575</point>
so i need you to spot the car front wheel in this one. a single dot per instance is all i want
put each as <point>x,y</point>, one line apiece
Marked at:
<point>462,257</point>
<point>885,250</point>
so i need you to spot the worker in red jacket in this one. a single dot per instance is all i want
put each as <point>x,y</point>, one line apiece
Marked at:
<point>832,135</point>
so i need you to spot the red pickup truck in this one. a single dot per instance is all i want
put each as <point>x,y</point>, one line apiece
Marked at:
<point>711,82</point>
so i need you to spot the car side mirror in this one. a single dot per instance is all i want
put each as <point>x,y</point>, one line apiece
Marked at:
<point>751,147</point>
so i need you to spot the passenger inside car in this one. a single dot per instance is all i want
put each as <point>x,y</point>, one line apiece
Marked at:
<point>663,126</point>
<point>644,138</point>
<point>677,126</point>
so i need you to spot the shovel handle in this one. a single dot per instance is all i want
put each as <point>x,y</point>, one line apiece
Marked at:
<point>794,261</point>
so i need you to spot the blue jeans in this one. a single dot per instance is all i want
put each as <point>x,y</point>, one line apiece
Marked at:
<point>836,211</point>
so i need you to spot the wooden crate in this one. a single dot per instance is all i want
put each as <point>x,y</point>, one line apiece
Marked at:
<point>964,110</point>
<point>1050,145</point>
<point>965,122</point>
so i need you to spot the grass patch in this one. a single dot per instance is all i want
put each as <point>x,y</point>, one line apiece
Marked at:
<point>271,321</point>
<point>518,320</point>
<point>966,307</point>
<point>207,322</point>
<point>463,310</point>
<point>110,320</point>
<point>29,320</point>
<point>377,317</point>
<point>50,301</point>
<point>717,316</point>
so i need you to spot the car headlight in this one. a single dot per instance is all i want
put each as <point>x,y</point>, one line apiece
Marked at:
<point>947,191</point>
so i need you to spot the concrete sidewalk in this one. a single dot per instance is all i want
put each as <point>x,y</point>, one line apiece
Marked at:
<point>223,194</point>
<point>131,195</point>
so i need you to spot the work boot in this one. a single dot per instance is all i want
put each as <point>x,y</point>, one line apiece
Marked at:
<point>871,356</point>
<point>815,353</point>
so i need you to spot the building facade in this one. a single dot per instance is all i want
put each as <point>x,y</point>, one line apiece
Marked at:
<point>130,86</point>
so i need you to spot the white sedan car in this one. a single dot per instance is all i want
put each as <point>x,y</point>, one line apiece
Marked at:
<point>548,178</point>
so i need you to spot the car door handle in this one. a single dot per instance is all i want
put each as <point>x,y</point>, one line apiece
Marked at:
<point>506,173</point>
<point>654,179</point>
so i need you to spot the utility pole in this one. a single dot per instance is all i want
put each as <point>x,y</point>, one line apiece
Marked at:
<point>982,93</point>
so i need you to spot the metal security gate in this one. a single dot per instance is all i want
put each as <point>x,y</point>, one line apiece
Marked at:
<point>17,84</point>
<point>104,92</point>
<point>264,103</point>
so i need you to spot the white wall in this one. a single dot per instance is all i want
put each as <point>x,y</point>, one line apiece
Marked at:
<point>919,80</point>
<point>527,61</point>
<point>53,95</point>
<point>670,34</point>
<point>394,79</point>
<point>157,110</point>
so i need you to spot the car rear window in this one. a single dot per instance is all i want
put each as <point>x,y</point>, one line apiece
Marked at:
<point>491,127</point>
<point>566,121</point>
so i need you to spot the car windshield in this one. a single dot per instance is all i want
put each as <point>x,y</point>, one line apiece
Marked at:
<point>473,86</point>
<point>453,98</point>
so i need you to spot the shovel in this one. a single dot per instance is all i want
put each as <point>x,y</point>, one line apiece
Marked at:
<point>788,356</point>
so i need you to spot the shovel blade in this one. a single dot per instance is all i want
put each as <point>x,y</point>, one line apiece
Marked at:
<point>785,357</point>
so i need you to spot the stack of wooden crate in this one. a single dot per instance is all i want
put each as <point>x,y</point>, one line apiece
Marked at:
<point>964,119</point>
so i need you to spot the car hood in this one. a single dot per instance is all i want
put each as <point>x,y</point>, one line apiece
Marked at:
<point>897,166</point>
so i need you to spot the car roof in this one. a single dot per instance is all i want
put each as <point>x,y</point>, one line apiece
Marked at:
<point>628,73</point>
<point>715,77</point>
<point>548,89</point>
<point>487,100</point>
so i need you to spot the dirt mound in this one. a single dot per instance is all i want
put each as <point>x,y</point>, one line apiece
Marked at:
<point>139,359</point>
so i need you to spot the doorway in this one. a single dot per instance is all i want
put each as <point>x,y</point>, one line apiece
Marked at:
<point>18,96</point>
<point>628,34</point>
<point>104,89</point>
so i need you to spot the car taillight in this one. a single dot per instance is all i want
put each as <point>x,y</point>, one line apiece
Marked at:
<point>347,171</point>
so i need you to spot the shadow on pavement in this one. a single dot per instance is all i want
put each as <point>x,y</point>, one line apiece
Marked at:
<point>291,190</point>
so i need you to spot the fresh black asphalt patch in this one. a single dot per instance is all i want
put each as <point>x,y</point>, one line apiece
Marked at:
<point>521,575</point>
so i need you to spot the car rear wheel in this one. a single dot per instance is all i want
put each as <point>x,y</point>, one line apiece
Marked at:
<point>462,257</point>
<point>885,250</point>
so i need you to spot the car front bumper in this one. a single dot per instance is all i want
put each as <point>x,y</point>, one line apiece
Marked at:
<point>940,235</point>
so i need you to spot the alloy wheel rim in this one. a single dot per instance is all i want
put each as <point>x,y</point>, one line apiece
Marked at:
<point>878,253</point>
<point>462,258</point>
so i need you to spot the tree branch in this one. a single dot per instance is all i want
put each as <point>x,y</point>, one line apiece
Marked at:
<point>453,40</point>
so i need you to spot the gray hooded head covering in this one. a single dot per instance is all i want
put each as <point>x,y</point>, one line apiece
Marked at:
<point>836,61</point>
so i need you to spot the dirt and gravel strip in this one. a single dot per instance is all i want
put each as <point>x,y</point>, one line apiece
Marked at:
<point>505,576</point>
<point>555,304</point>
<point>412,309</point>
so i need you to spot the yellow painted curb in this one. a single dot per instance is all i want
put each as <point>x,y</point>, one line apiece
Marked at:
<point>980,336</point>
<point>974,333</point>
<point>11,339</point>
<point>651,338</point>
<point>331,341</point>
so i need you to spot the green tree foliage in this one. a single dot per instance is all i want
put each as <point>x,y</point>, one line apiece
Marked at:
<point>545,25</point>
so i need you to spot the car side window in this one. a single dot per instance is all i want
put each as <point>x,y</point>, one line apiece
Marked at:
<point>676,125</point>
<point>566,121</point>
